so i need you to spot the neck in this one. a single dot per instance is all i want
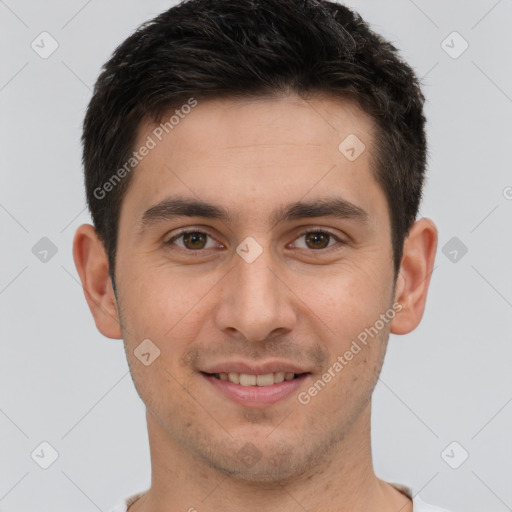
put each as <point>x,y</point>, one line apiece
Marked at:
<point>344,481</point>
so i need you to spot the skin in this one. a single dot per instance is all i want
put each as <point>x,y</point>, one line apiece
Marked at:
<point>299,301</point>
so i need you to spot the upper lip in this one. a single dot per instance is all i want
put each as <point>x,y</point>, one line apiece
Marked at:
<point>253,368</point>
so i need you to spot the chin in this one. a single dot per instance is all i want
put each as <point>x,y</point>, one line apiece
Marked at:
<point>269,464</point>
<point>262,472</point>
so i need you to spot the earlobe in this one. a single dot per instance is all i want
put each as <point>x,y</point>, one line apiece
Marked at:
<point>92,265</point>
<point>414,275</point>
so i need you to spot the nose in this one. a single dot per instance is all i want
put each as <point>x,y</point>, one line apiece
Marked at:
<point>256,303</point>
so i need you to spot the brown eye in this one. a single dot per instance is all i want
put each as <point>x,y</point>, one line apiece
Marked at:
<point>317,240</point>
<point>192,240</point>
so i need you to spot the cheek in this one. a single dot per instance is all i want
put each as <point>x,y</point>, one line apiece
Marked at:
<point>159,301</point>
<point>347,301</point>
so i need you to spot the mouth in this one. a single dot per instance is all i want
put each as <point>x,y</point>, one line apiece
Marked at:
<point>261,390</point>
<point>245,379</point>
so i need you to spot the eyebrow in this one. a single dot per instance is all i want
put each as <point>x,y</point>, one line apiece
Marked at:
<point>177,206</point>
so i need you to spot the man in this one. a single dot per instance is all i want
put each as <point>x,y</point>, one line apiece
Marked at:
<point>254,170</point>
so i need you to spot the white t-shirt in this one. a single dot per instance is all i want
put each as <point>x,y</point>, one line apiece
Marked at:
<point>418,505</point>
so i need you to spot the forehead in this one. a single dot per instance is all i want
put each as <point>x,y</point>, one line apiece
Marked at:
<point>252,153</point>
<point>251,124</point>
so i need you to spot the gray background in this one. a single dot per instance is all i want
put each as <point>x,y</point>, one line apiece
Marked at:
<point>64,383</point>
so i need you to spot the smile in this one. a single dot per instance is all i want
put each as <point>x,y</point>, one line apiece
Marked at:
<point>260,390</point>
<point>245,379</point>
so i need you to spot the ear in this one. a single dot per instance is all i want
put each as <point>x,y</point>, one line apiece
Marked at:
<point>414,275</point>
<point>92,265</point>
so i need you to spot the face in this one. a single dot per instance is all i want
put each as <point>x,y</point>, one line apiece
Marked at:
<point>259,288</point>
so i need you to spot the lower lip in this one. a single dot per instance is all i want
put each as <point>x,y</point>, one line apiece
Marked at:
<point>254,396</point>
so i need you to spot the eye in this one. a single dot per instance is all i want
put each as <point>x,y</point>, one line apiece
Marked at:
<point>318,239</point>
<point>193,240</point>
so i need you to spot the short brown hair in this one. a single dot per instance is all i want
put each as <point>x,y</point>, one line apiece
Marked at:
<point>247,48</point>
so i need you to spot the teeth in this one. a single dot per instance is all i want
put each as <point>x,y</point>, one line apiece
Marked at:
<point>234,378</point>
<point>245,379</point>
<point>278,377</point>
<point>265,380</point>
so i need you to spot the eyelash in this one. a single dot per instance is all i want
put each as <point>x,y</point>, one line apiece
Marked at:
<point>313,230</point>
